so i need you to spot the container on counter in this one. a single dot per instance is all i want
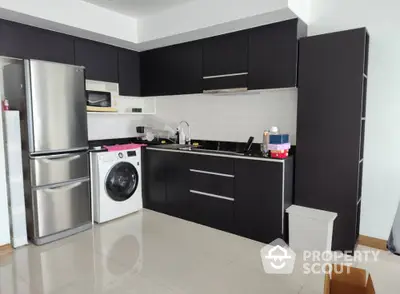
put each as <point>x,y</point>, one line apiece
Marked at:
<point>264,146</point>
<point>278,139</point>
<point>279,154</point>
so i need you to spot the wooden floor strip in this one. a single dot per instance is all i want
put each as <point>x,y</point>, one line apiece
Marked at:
<point>372,242</point>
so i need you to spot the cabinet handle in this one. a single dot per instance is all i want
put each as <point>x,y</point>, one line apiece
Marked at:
<point>211,173</point>
<point>226,75</point>
<point>211,195</point>
<point>64,188</point>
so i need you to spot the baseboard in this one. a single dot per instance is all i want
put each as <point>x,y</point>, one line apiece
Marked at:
<point>5,249</point>
<point>372,242</point>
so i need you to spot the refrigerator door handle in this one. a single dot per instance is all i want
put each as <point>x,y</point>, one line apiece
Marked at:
<point>64,187</point>
<point>64,158</point>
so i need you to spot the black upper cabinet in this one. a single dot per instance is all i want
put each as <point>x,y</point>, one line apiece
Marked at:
<point>129,73</point>
<point>22,41</point>
<point>100,60</point>
<point>226,54</point>
<point>273,51</point>
<point>172,70</point>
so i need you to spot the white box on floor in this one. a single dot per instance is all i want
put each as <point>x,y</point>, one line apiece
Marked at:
<point>310,229</point>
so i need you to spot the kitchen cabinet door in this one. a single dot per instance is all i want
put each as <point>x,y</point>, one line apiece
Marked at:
<point>155,196</point>
<point>100,60</point>
<point>258,200</point>
<point>225,54</point>
<point>273,55</point>
<point>211,194</point>
<point>179,204</point>
<point>129,73</point>
<point>213,212</point>
<point>172,70</point>
<point>330,99</point>
<point>22,41</point>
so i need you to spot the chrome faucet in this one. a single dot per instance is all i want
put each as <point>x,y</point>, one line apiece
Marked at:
<point>188,139</point>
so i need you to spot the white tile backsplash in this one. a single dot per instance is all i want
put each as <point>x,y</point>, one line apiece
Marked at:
<point>232,117</point>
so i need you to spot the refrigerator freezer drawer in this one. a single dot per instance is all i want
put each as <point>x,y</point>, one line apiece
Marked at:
<point>61,208</point>
<point>53,169</point>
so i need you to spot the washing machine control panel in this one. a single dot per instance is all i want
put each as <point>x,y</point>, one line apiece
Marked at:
<point>131,153</point>
<point>120,155</point>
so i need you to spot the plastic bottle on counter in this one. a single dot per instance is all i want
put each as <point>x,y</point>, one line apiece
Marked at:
<point>265,143</point>
<point>5,104</point>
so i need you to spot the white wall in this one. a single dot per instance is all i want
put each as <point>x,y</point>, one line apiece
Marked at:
<point>190,21</point>
<point>111,126</point>
<point>73,17</point>
<point>381,188</point>
<point>199,14</point>
<point>230,117</point>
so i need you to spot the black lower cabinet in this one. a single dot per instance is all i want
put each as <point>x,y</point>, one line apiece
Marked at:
<point>258,202</point>
<point>177,187</point>
<point>213,212</point>
<point>241,196</point>
<point>155,167</point>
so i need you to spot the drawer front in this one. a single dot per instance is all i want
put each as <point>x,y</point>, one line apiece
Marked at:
<point>213,212</point>
<point>218,184</point>
<point>212,164</point>
<point>61,208</point>
<point>53,169</point>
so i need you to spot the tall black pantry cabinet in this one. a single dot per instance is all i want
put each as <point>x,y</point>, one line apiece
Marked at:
<point>330,128</point>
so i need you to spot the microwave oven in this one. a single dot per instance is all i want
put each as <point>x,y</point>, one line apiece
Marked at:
<point>98,99</point>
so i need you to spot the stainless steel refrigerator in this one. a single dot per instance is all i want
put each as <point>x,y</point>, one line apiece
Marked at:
<point>51,98</point>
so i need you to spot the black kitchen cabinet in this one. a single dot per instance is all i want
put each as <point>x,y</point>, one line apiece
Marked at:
<point>273,51</point>
<point>211,187</point>
<point>22,41</point>
<point>261,199</point>
<point>212,212</point>
<point>225,54</point>
<point>331,95</point>
<point>129,73</point>
<point>155,176</point>
<point>100,60</point>
<point>242,196</point>
<point>172,70</point>
<point>177,187</point>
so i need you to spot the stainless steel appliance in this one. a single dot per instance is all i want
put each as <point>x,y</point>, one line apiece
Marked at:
<point>98,99</point>
<point>52,100</point>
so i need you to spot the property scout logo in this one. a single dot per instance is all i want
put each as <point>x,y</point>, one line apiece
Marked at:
<point>278,258</point>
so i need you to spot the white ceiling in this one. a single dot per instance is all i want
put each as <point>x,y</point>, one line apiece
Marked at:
<point>138,8</point>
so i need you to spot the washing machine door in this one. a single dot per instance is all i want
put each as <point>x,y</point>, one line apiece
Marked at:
<point>122,181</point>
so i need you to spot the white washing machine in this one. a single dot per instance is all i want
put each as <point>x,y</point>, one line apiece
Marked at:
<point>116,184</point>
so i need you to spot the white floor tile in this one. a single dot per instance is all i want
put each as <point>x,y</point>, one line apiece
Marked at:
<point>148,252</point>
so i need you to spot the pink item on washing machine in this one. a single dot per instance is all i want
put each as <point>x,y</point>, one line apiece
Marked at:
<point>124,147</point>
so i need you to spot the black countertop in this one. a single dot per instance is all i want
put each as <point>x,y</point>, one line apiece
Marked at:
<point>216,152</point>
<point>205,147</point>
